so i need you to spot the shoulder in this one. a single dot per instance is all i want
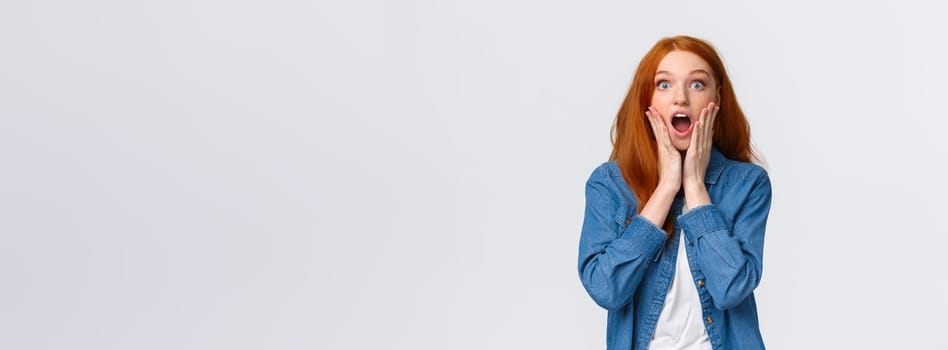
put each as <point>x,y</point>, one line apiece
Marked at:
<point>606,180</point>
<point>749,176</point>
<point>606,174</point>
<point>738,170</point>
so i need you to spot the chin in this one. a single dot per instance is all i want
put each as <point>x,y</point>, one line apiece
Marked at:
<point>683,147</point>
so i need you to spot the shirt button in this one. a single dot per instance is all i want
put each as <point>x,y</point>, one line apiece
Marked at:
<point>709,320</point>
<point>700,283</point>
<point>627,221</point>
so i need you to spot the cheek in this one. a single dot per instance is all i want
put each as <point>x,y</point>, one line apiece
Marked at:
<point>659,99</point>
<point>702,98</point>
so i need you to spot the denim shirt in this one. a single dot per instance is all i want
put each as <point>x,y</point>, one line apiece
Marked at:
<point>626,263</point>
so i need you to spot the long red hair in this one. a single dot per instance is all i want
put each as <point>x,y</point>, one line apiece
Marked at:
<point>633,142</point>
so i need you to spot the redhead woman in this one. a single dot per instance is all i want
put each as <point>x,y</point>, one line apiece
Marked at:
<point>673,235</point>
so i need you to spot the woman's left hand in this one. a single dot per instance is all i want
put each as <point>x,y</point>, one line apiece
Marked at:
<point>697,157</point>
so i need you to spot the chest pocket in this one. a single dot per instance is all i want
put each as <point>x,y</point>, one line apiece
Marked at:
<point>624,215</point>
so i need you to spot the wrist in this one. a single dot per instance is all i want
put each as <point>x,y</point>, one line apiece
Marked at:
<point>696,196</point>
<point>694,186</point>
<point>667,188</point>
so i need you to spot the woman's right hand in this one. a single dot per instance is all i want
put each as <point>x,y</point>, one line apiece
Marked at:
<point>669,180</point>
<point>669,158</point>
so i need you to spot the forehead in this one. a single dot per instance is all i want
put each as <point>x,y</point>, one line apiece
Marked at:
<point>683,63</point>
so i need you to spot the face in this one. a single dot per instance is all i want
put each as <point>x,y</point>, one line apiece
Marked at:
<point>683,86</point>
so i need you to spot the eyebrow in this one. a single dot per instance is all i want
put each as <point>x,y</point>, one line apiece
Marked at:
<point>692,72</point>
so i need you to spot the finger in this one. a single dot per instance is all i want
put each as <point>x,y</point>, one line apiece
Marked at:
<point>658,126</point>
<point>652,115</point>
<point>664,140</point>
<point>655,113</point>
<point>698,131</point>
<point>712,115</point>
<point>651,121</point>
<point>708,125</point>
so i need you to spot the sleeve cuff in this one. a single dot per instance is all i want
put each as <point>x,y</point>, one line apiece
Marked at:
<point>644,236</point>
<point>700,221</point>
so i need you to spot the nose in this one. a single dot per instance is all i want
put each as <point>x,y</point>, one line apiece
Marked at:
<point>680,97</point>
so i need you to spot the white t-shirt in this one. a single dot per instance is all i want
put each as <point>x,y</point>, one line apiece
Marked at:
<point>681,326</point>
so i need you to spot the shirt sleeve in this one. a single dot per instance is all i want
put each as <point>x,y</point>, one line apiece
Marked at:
<point>614,251</point>
<point>731,259</point>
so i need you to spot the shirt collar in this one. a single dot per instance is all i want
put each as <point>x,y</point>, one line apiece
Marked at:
<point>715,166</point>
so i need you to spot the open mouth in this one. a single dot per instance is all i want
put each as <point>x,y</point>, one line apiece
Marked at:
<point>681,122</point>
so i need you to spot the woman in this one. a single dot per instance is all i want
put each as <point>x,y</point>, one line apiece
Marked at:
<point>673,234</point>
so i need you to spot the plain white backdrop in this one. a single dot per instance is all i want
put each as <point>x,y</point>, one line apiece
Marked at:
<point>410,174</point>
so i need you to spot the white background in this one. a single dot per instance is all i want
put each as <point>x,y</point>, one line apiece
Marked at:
<point>410,175</point>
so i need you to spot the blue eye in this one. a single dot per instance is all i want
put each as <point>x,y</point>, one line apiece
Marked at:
<point>697,85</point>
<point>663,85</point>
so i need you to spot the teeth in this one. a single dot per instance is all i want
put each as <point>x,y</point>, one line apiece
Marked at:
<point>681,115</point>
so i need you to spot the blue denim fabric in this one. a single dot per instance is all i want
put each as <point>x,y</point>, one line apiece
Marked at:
<point>626,266</point>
